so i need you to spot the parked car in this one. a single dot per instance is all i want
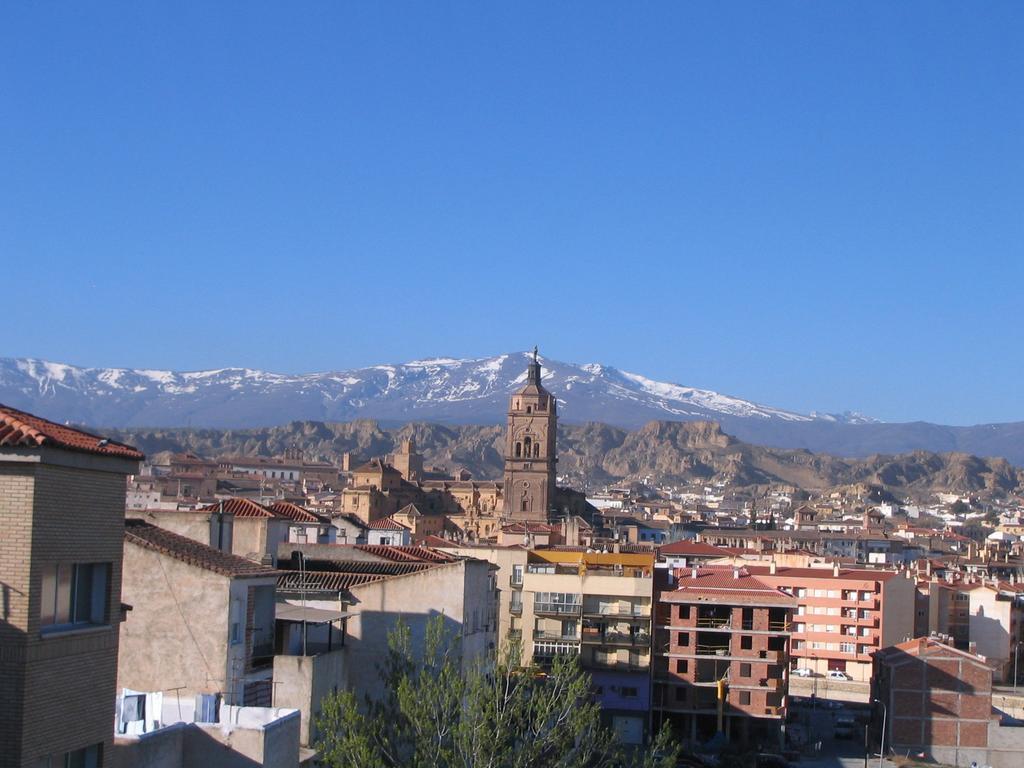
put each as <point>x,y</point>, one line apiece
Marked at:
<point>835,674</point>
<point>803,672</point>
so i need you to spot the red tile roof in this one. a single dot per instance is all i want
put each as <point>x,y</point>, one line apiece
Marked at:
<point>897,654</point>
<point>239,507</point>
<point>407,554</point>
<point>325,581</point>
<point>295,512</point>
<point>723,584</point>
<point>152,537</point>
<point>387,524</point>
<point>20,429</point>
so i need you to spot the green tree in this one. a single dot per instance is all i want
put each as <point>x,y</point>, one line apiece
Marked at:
<point>497,714</point>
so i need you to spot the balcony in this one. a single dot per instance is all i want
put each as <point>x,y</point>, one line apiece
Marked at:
<point>558,609</point>
<point>626,639</point>
<point>516,582</point>
<point>714,622</point>
<point>616,611</point>
<point>541,635</point>
<point>711,650</point>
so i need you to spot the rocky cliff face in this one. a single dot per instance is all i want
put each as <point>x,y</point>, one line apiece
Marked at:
<point>658,452</point>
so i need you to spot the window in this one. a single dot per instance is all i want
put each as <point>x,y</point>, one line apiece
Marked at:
<point>74,595</point>
<point>847,648</point>
<point>682,666</point>
<point>684,611</point>
<point>680,693</point>
<point>744,670</point>
<point>746,642</point>
<point>517,574</point>
<point>87,757</point>
<point>683,639</point>
<point>629,692</point>
<point>744,697</point>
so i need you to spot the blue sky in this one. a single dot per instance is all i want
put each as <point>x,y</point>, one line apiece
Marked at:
<point>812,205</point>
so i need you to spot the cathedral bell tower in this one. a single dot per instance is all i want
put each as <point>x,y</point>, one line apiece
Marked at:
<point>530,450</point>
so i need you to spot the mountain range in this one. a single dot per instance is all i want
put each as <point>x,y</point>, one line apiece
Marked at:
<point>457,392</point>
<point>594,454</point>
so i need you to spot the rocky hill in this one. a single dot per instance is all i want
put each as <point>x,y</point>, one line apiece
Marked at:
<point>660,452</point>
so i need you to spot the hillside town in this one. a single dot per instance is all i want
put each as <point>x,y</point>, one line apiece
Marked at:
<point>209,606</point>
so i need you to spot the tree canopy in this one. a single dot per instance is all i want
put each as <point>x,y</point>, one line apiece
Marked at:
<point>496,713</point>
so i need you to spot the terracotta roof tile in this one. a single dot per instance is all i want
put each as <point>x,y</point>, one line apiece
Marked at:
<point>20,429</point>
<point>325,581</point>
<point>725,584</point>
<point>150,536</point>
<point>387,524</point>
<point>407,554</point>
<point>239,507</point>
<point>295,512</point>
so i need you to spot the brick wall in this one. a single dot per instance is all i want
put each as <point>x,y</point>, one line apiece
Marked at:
<point>62,685</point>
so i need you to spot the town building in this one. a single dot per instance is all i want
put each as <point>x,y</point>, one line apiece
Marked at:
<point>61,512</point>
<point>937,700</point>
<point>201,620</point>
<point>597,606</point>
<point>843,615</point>
<point>510,561</point>
<point>721,654</point>
<point>378,585</point>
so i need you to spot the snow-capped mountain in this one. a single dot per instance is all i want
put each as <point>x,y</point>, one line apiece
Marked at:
<point>459,391</point>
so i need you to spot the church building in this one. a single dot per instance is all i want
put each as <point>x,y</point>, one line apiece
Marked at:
<point>529,490</point>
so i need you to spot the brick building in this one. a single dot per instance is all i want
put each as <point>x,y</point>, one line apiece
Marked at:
<point>721,651</point>
<point>938,700</point>
<point>62,496</point>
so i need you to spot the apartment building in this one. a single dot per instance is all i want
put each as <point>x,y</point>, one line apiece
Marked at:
<point>201,620</point>
<point>721,649</point>
<point>844,615</point>
<point>598,606</point>
<point>62,497</point>
<point>380,584</point>
<point>511,568</point>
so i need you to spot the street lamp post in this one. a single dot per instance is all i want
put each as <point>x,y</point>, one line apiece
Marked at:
<point>881,748</point>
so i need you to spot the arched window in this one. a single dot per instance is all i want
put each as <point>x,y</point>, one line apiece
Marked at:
<point>536,450</point>
<point>529,409</point>
<point>528,448</point>
<point>525,505</point>
<point>519,450</point>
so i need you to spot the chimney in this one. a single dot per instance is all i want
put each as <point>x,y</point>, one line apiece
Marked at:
<point>772,568</point>
<point>693,572</point>
<point>972,648</point>
<point>835,570</point>
<point>922,644</point>
<point>735,572</point>
<point>928,566</point>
